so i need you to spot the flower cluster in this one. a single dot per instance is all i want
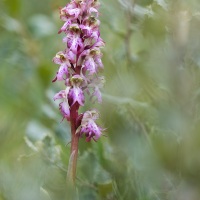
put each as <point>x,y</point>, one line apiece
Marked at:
<point>79,64</point>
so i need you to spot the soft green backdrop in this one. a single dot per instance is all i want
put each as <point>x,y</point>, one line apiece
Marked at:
<point>150,109</point>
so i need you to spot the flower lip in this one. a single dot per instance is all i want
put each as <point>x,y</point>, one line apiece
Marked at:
<point>62,94</point>
<point>64,109</point>
<point>76,95</point>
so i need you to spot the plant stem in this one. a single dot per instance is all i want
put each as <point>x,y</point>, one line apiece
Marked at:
<point>71,174</point>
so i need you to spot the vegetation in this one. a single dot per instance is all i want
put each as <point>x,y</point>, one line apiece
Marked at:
<point>150,108</point>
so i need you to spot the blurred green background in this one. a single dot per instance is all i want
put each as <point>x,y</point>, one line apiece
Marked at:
<point>150,109</point>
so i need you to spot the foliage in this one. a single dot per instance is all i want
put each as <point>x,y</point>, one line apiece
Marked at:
<point>150,107</point>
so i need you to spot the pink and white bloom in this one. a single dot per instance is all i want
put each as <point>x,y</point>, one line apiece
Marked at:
<point>88,126</point>
<point>92,60</point>
<point>64,105</point>
<point>89,27</point>
<point>62,59</point>
<point>73,39</point>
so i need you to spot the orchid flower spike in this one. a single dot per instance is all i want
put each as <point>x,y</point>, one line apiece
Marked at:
<point>79,64</point>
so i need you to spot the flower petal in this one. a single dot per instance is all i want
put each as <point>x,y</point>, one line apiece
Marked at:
<point>76,95</point>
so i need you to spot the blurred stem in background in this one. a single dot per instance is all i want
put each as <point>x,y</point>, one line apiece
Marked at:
<point>129,31</point>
